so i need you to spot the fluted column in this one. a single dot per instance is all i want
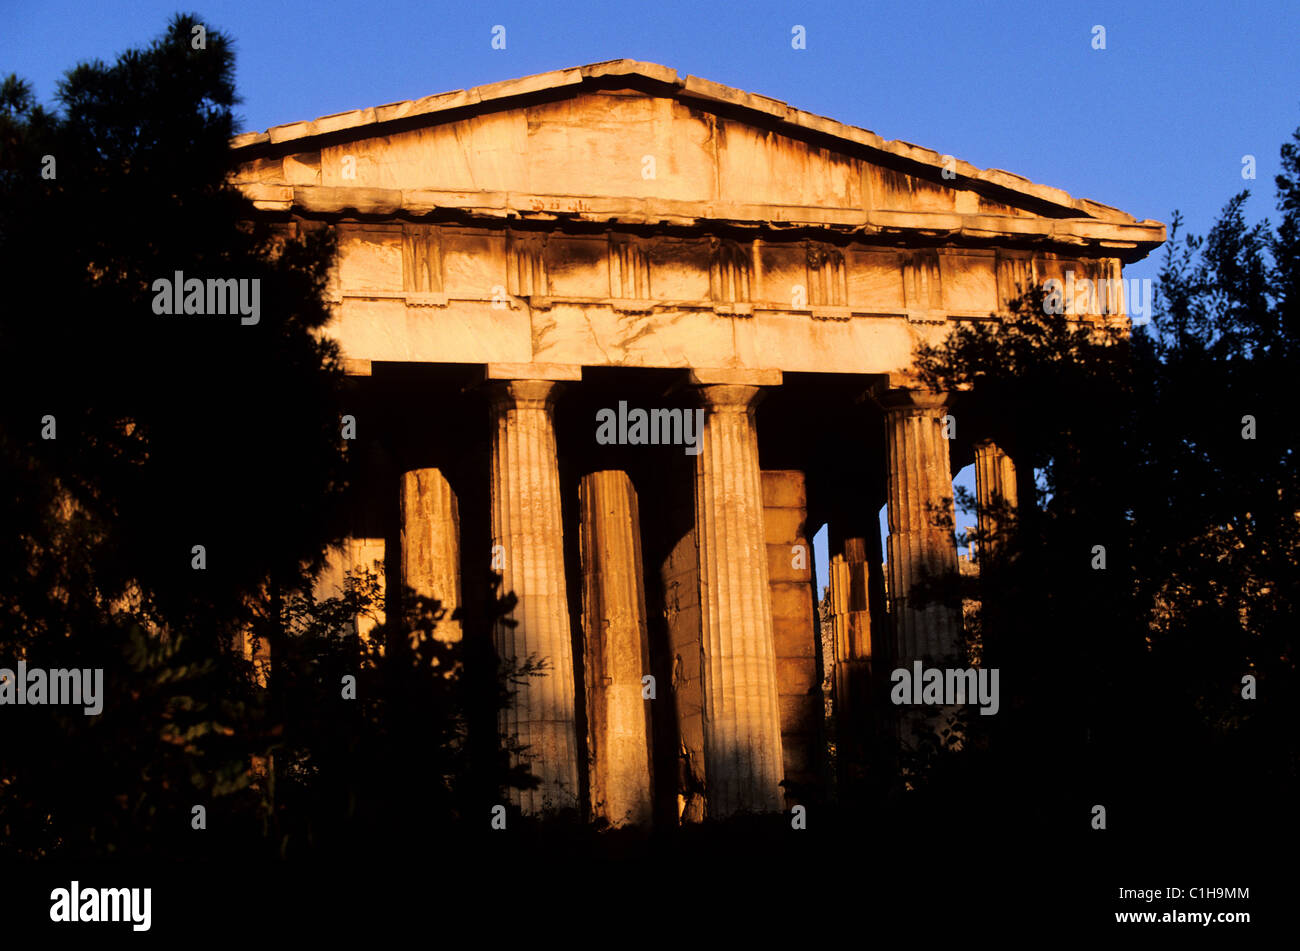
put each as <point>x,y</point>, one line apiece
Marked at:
<point>921,548</point>
<point>742,724</point>
<point>344,560</point>
<point>616,654</point>
<point>527,543</point>
<point>851,641</point>
<point>995,494</point>
<point>431,544</point>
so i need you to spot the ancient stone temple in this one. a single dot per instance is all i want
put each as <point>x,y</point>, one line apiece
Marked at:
<point>628,339</point>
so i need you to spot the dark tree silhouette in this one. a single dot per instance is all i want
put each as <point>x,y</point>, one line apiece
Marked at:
<point>1173,447</point>
<point>127,438</point>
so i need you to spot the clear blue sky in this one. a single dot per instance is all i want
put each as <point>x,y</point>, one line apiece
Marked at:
<point>1158,120</point>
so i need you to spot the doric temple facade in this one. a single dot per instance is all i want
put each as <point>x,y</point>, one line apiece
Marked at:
<point>627,339</point>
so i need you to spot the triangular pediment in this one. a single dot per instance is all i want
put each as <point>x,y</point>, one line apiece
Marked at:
<point>631,142</point>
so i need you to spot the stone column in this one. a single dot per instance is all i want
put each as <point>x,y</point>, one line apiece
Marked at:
<point>742,724</point>
<point>527,547</point>
<point>350,556</point>
<point>616,652</point>
<point>851,641</point>
<point>795,631</point>
<point>922,548</point>
<point>431,544</point>
<point>995,493</point>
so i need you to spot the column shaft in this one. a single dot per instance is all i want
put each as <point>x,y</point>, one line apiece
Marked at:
<point>851,640</point>
<point>431,544</point>
<point>527,544</point>
<point>995,493</point>
<point>616,654</point>
<point>742,718</point>
<point>922,548</point>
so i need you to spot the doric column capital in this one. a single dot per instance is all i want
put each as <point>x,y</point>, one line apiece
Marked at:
<point>911,402</point>
<point>523,394</point>
<point>729,397</point>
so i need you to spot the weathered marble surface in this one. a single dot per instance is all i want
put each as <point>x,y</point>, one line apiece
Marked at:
<point>617,215</point>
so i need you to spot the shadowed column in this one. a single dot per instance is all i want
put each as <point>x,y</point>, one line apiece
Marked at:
<point>922,548</point>
<point>851,640</point>
<point>527,545</point>
<point>614,626</point>
<point>742,725</point>
<point>431,544</point>
<point>995,493</point>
